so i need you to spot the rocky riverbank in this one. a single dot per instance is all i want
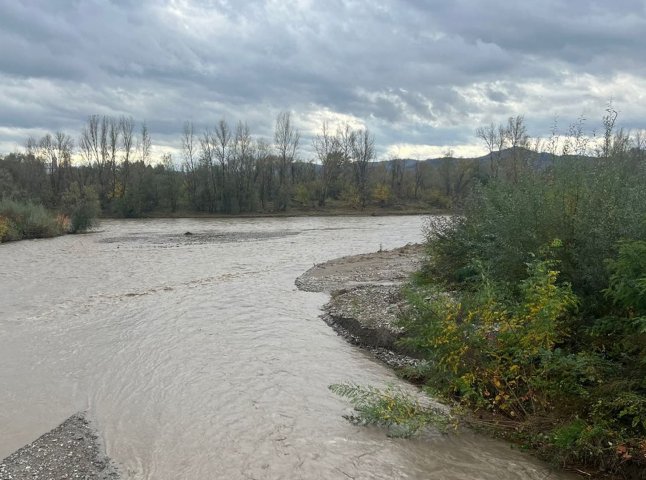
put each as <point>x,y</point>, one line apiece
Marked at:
<point>366,298</point>
<point>70,451</point>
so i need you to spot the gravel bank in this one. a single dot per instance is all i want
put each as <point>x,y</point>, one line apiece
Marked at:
<point>387,267</point>
<point>366,298</point>
<point>70,451</point>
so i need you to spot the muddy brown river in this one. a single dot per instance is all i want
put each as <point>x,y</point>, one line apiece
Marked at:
<point>199,359</point>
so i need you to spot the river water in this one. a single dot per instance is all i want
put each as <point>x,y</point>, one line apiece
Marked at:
<point>199,359</point>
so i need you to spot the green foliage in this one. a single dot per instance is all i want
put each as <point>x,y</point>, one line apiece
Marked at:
<point>626,411</point>
<point>304,195</point>
<point>551,338</point>
<point>82,206</point>
<point>396,410</point>
<point>23,220</point>
<point>569,379</point>
<point>580,443</point>
<point>567,436</point>
<point>521,349</point>
<point>589,204</point>
<point>486,345</point>
<point>627,286</point>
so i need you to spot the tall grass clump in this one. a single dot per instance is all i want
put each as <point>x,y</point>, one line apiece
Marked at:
<point>21,220</point>
<point>24,220</point>
<point>531,307</point>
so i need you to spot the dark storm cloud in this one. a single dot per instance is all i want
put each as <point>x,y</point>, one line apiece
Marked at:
<point>425,72</point>
<point>574,31</point>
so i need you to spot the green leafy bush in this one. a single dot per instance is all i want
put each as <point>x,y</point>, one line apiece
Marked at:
<point>23,220</point>
<point>578,442</point>
<point>486,346</point>
<point>553,339</point>
<point>82,206</point>
<point>627,285</point>
<point>589,204</point>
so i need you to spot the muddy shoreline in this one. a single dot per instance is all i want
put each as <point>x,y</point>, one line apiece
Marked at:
<point>366,299</point>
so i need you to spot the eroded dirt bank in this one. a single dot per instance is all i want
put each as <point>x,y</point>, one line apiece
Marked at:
<point>71,450</point>
<point>366,297</point>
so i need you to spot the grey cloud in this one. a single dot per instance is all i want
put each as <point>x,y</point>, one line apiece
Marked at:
<point>405,67</point>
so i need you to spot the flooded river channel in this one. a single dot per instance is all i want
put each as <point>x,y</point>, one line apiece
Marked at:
<point>199,359</point>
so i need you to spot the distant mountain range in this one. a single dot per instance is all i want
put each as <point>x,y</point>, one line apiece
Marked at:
<point>540,160</point>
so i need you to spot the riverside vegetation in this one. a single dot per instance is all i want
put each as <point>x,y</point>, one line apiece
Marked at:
<point>224,170</point>
<point>58,185</point>
<point>25,219</point>
<point>530,310</point>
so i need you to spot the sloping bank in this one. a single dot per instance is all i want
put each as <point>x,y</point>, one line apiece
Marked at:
<point>366,298</point>
<point>71,450</point>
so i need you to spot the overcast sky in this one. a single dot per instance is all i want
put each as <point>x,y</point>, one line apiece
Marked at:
<point>422,75</point>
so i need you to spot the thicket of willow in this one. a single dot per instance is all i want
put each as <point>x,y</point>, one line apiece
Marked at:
<point>532,305</point>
